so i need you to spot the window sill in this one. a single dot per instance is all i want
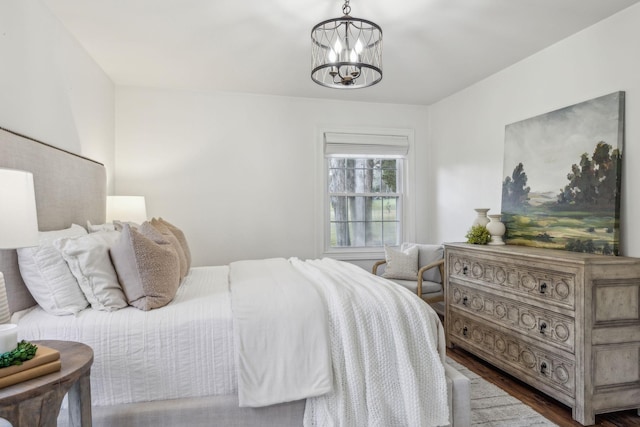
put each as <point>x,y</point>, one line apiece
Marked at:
<point>355,255</point>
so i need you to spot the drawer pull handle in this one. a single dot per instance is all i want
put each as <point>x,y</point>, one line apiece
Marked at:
<point>465,269</point>
<point>543,288</point>
<point>543,327</point>
<point>543,368</point>
<point>465,300</point>
<point>464,331</point>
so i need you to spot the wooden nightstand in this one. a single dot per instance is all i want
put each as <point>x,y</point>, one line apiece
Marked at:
<point>37,402</point>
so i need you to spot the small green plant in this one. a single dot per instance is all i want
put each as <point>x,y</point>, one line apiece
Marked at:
<point>478,235</point>
<point>25,351</point>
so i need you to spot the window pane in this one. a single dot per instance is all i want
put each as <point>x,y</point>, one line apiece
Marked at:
<point>374,234</point>
<point>389,168</point>
<point>360,208</point>
<point>339,210</point>
<point>391,233</point>
<point>376,209</point>
<point>389,208</point>
<point>336,178</point>
<point>340,235</point>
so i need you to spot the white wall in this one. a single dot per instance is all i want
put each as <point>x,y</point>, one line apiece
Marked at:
<point>237,172</point>
<point>206,161</point>
<point>467,129</point>
<point>51,89</point>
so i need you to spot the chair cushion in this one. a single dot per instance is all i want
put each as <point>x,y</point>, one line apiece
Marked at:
<point>426,255</point>
<point>427,286</point>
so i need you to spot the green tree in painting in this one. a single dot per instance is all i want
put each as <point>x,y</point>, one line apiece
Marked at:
<point>594,182</point>
<point>607,172</point>
<point>515,193</point>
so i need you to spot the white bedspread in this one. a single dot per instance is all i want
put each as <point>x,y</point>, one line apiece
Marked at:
<point>280,333</point>
<point>387,346</point>
<point>182,350</point>
<point>384,345</point>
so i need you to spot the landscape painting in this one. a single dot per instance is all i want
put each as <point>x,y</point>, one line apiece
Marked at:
<point>562,173</point>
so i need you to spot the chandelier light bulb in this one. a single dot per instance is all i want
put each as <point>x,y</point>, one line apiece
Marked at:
<point>338,46</point>
<point>332,55</point>
<point>358,47</point>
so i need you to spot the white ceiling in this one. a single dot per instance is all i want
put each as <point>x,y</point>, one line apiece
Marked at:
<point>432,48</point>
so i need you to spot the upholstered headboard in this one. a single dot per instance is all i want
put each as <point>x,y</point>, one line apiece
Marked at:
<point>69,189</point>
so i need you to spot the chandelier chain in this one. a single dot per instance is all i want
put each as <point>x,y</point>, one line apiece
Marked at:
<point>346,9</point>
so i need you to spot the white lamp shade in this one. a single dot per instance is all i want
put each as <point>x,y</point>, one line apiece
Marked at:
<point>126,208</point>
<point>18,215</point>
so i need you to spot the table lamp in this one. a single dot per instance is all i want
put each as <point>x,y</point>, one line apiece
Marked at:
<point>126,208</point>
<point>18,229</point>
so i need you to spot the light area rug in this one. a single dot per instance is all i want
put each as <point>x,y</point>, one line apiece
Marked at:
<point>493,407</point>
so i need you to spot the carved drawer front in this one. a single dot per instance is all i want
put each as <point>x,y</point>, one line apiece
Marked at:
<point>535,322</point>
<point>545,283</point>
<point>514,356</point>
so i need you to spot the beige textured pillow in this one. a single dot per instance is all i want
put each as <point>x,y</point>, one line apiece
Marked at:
<point>401,264</point>
<point>181,238</point>
<point>147,266</point>
<point>171,238</point>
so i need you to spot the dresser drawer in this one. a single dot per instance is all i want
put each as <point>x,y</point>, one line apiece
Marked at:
<point>535,322</point>
<point>538,281</point>
<point>529,362</point>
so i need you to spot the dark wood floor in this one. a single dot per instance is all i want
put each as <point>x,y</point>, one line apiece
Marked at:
<point>548,407</point>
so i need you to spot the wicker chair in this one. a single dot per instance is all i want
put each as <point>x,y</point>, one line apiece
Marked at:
<point>428,283</point>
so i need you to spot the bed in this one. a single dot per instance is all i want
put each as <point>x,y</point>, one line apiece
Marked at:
<point>142,374</point>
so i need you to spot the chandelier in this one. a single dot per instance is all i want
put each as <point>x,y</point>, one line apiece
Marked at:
<point>346,52</point>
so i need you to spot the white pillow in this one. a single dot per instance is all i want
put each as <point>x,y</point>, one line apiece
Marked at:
<point>401,264</point>
<point>47,275</point>
<point>89,261</point>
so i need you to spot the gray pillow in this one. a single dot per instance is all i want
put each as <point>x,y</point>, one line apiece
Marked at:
<point>147,265</point>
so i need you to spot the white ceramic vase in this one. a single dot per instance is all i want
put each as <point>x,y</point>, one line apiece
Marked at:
<point>496,229</point>
<point>481,218</point>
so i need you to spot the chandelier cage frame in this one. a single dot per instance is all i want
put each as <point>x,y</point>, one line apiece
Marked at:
<point>346,52</point>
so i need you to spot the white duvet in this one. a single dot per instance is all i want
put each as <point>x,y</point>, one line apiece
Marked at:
<point>385,344</point>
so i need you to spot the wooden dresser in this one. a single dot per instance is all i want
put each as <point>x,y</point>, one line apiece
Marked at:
<point>566,323</point>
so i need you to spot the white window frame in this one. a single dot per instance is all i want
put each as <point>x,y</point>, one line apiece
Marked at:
<point>374,137</point>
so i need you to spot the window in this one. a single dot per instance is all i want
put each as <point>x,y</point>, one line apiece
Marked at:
<point>365,201</point>
<point>365,197</point>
